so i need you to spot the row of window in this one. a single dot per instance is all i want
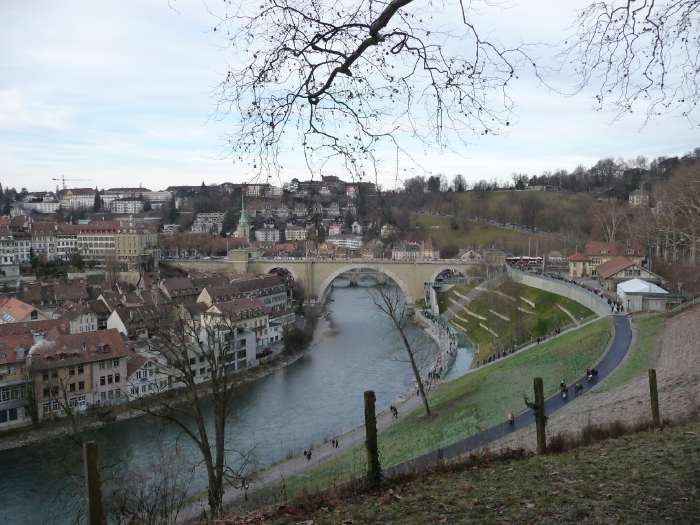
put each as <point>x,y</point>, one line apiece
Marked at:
<point>9,415</point>
<point>11,393</point>
<point>109,379</point>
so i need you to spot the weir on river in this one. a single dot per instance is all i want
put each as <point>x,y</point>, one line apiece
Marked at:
<point>316,398</point>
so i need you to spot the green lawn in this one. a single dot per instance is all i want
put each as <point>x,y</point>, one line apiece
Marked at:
<point>475,401</point>
<point>520,326</point>
<point>474,234</point>
<point>643,353</point>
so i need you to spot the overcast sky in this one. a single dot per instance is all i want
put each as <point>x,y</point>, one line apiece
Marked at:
<point>121,93</point>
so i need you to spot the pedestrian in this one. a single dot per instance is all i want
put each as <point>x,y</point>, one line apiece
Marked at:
<point>337,443</point>
<point>308,456</point>
<point>511,419</point>
<point>394,411</point>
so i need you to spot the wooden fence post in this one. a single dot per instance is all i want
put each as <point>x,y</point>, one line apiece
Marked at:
<point>374,472</point>
<point>92,484</point>
<point>540,418</point>
<point>654,398</point>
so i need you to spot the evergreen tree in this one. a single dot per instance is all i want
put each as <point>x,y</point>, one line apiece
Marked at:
<point>97,204</point>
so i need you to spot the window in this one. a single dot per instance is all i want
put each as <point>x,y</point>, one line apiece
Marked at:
<point>103,365</point>
<point>81,385</point>
<point>71,371</point>
<point>201,358</point>
<point>115,363</point>
<point>103,381</point>
<point>116,378</point>
<point>80,369</point>
<point>193,360</point>
<point>103,396</point>
<point>47,392</point>
<point>71,387</point>
<point>202,371</point>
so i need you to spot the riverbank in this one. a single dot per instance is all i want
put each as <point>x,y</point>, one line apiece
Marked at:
<point>27,436</point>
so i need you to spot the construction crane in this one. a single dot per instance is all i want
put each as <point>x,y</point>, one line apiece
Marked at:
<point>63,179</point>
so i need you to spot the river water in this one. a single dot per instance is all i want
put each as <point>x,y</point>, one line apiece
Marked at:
<point>318,397</point>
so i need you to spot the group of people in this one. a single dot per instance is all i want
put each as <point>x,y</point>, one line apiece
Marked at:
<point>307,455</point>
<point>335,443</point>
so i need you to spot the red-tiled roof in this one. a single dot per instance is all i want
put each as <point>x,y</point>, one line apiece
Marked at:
<point>71,349</point>
<point>10,343</point>
<point>13,310</point>
<point>30,327</point>
<point>579,257</point>
<point>613,266</point>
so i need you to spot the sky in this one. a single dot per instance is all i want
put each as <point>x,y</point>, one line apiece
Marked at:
<point>122,92</point>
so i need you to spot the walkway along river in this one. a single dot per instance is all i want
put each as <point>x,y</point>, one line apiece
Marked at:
<point>316,398</point>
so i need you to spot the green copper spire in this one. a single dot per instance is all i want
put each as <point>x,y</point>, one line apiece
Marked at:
<point>243,219</point>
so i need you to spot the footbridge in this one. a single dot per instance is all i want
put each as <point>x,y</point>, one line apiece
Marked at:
<point>317,274</point>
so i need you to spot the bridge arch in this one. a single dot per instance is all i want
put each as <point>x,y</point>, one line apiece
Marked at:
<point>325,285</point>
<point>453,268</point>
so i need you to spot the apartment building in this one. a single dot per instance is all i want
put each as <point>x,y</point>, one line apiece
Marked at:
<point>77,198</point>
<point>208,223</point>
<point>137,247</point>
<point>295,233</point>
<point>14,383</point>
<point>76,371</point>
<point>126,206</point>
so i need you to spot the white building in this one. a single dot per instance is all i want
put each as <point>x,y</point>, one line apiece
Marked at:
<point>638,295</point>
<point>170,229</point>
<point>268,233</point>
<point>77,198</point>
<point>44,206</point>
<point>208,223</point>
<point>295,233</point>
<point>351,242</point>
<point>126,206</point>
<point>255,190</point>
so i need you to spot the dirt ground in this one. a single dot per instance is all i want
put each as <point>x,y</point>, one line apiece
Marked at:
<point>678,377</point>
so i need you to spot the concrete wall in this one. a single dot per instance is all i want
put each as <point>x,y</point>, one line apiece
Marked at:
<point>570,291</point>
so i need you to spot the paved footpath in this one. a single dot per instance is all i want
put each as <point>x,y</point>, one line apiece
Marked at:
<point>274,474</point>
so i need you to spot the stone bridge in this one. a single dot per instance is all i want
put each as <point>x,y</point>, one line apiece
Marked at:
<point>317,274</point>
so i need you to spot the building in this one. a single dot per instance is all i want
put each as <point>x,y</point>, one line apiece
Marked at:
<point>80,318</point>
<point>638,295</point>
<point>137,248</point>
<point>406,251</point>
<point>256,190</point>
<point>140,321</point>
<point>126,206</point>
<point>243,228</point>
<point>270,290</point>
<point>292,232</point>
<point>14,383</point>
<point>244,315</point>
<point>147,373</point>
<point>620,269</point>
<point>180,289</point>
<point>268,233</point>
<point>13,310</point>
<point>334,229</point>
<point>211,223</point>
<point>585,264</point>
<point>76,371</point>
<point>350,242</point>
<point>639,198</point>
<point>170,229</point>
<point>95,241</point>
<point>78,198</point>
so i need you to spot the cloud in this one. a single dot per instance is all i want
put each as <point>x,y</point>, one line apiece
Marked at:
<point>19,112</point>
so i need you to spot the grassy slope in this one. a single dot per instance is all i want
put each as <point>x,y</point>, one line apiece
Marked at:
<point>477,400</point>
<point>648,477</point>
<point>643,353</point>
<point>546,318</point>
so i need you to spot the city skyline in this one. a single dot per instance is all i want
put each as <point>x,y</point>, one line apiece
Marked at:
<point>132,102</point>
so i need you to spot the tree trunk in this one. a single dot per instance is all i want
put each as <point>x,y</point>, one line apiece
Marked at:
<point>416,372</point>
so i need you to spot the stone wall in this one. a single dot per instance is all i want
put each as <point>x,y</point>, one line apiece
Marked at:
<point>568,290</point>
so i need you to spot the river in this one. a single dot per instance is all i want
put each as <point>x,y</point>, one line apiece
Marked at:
<point>318,397</point>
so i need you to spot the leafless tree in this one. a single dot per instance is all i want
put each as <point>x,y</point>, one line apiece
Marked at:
<point>152,495</point>
<point>608,216</point>
<point>200,358</point>
<point>390,301</point>
<point>642,54</point>
<point>342,80</point>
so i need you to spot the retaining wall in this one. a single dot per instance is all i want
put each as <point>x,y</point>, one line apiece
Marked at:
<point>571,291</point>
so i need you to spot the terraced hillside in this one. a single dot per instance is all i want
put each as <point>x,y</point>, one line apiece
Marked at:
<point>511,315</point>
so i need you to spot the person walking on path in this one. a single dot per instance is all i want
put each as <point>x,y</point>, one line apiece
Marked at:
<point>394,411</point>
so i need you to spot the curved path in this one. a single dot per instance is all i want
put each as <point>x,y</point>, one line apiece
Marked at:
<point>612,358</point>
<point>608,363</point>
